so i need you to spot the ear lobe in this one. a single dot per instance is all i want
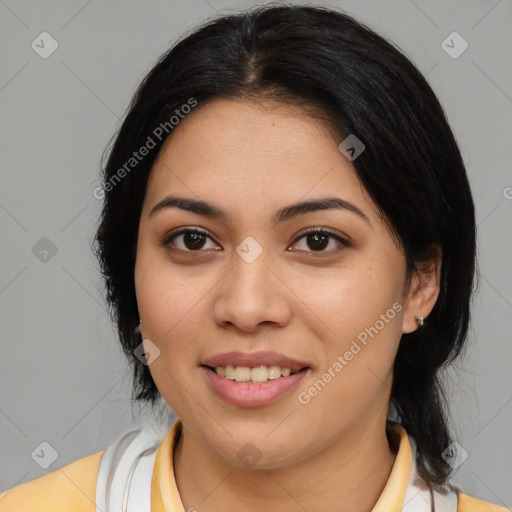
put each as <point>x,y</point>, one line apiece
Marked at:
<point>423,290</point>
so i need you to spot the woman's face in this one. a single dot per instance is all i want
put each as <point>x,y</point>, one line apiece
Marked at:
<point>256,281</point>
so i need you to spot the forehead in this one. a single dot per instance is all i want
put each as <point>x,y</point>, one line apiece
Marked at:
<point>249,154</point>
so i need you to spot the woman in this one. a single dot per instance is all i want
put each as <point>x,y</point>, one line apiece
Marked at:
<point>288,244</point>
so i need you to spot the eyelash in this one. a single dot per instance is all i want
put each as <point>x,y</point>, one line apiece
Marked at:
<point>168,238</point>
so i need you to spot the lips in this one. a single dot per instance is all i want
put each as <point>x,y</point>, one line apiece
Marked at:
<point>254,359</point>
<point>247,394</point>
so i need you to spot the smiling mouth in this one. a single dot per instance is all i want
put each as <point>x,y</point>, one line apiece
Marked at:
<point>256,374</point>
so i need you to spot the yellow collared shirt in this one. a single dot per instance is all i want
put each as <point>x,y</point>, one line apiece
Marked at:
<point>73,487</point>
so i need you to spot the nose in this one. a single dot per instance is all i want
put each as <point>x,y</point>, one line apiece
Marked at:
<point>252,294</point>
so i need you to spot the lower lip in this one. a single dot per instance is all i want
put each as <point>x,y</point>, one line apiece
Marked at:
<point>246,394</point>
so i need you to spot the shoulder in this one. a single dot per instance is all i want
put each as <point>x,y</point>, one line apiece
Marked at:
<point>470,504</point>
<point>72,487</point>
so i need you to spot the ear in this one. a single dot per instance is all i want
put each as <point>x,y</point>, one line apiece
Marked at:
<point>423,290</point>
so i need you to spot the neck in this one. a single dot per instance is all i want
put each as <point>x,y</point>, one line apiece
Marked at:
<point>348,475</point>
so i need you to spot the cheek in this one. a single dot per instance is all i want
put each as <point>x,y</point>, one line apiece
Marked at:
<point>173,304</point>
<point>357,374</point>
<point>346,301</point>
<point>357,316</point>
<point>170,308</point>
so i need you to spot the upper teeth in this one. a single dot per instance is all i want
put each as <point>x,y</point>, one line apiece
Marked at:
<point>256,374</point>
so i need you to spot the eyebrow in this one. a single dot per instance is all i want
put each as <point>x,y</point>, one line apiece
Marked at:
<point>283,214</point>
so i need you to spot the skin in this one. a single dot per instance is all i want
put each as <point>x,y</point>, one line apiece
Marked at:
<point>193,303</point>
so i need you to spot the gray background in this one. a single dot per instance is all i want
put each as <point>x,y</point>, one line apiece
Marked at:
<point>63,377</point>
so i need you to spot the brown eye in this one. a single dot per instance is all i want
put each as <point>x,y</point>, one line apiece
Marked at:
<point>193,241</point>
<point>318,240</point>
<point>189,240</point>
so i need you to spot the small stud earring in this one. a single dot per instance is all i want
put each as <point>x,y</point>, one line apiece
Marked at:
<point>420,320</point>
<point>137,329</point>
